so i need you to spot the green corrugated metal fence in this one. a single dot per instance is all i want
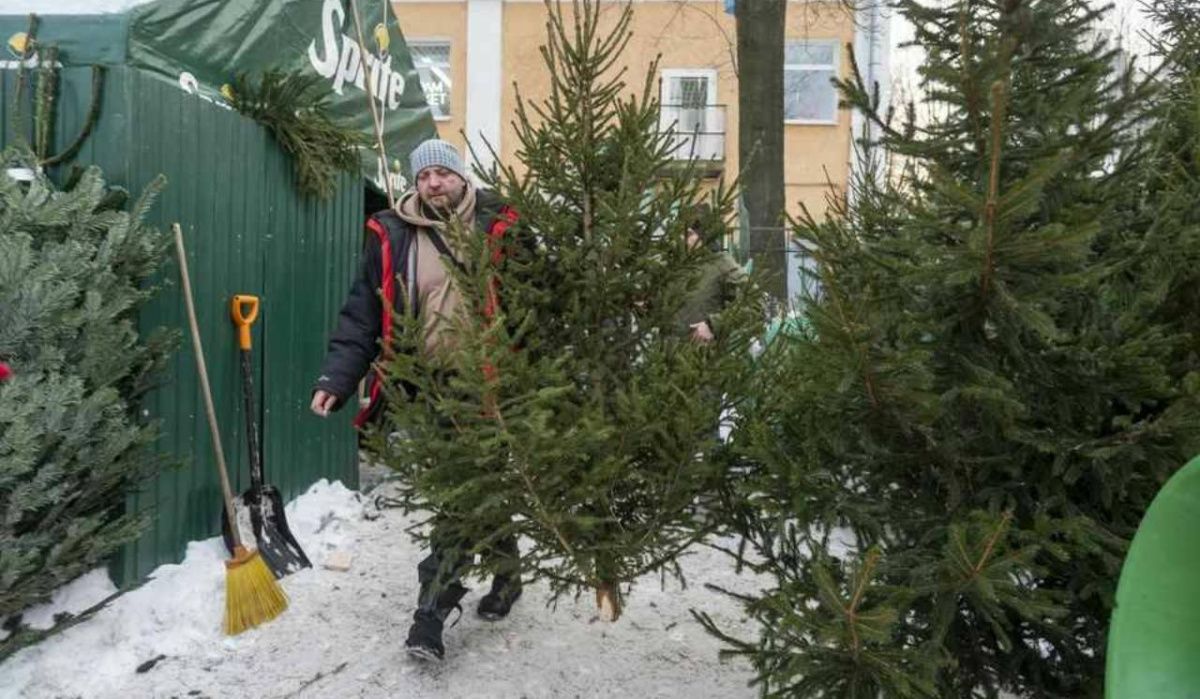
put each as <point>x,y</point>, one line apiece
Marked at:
<point>248,231</point>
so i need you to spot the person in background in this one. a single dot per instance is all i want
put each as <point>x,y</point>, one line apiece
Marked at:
<point>717,285</point>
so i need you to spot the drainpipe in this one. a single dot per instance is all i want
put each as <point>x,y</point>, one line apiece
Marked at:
<point>872,52</point>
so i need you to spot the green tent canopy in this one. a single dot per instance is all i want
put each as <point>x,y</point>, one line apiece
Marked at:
<point>200,45</point>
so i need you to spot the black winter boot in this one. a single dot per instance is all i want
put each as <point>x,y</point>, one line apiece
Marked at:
<point>425,634</point>
<point>497,603</point>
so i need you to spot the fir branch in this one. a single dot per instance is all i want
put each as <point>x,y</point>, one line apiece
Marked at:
<point>532,492</point>
<point>851,608</point>
<point>22,636</point>
<point>294,107</point>
<point>969,86</point>
<point>1001,528</point>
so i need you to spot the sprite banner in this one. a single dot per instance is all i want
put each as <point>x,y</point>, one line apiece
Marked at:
<point>202,45</point>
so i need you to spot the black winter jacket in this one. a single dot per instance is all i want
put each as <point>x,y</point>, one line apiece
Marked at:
<point>355,341</point>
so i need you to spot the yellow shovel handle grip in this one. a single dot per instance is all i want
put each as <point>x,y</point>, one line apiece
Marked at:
<point>243,308</point>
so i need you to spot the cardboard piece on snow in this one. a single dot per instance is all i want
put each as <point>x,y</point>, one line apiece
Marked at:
<point>338,560</point>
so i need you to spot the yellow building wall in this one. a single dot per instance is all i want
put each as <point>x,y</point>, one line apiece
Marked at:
<point>442,21</point>
<point>693,34</point>
<point>683,35</point>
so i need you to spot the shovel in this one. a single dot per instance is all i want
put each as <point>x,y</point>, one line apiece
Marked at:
<point>278,546</point>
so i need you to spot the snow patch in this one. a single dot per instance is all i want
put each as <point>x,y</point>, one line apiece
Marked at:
<point>177,612</point>
<point>343,633</point>
<point>74,597</point>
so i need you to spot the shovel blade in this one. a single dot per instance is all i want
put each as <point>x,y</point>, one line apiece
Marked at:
<point>275,538</point>
<point>272,536</point>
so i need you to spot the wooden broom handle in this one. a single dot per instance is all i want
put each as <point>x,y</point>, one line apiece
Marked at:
<point>209,410</point>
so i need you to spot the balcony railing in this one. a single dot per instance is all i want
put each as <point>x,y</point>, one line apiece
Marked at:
<point>699,132</point>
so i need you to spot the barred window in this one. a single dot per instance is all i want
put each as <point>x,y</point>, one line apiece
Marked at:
<point>688,105</point>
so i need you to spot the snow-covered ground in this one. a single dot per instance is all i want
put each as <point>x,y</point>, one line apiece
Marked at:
<point>343,634</point>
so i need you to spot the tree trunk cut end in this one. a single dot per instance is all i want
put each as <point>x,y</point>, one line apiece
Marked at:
<point>608,601</point>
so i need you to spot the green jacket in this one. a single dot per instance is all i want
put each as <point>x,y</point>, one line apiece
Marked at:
<point>714,289</point>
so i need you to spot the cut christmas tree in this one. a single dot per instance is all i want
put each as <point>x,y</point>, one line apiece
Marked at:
<point>942,477</point>
<point>1156,229</point>
<point>583,416</point>
<point>73,267</point>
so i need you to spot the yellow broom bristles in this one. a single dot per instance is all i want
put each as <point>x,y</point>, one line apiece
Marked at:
<point>252,595</point>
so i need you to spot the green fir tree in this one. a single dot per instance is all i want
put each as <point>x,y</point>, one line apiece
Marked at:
<point>583,418</point>
<point>941,478</point>
<point>73,272</point>
<point>1156,232</point>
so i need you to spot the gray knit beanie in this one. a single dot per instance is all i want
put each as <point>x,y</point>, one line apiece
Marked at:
<point>437,153</point>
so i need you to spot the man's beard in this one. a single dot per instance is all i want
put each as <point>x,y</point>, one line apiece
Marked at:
<point>444,202</point>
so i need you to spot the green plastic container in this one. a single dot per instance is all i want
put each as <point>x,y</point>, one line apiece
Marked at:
<point>1154,638</point>
<point>791,326</point>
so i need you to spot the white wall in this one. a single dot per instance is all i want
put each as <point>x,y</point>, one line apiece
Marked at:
<point>485,61</point>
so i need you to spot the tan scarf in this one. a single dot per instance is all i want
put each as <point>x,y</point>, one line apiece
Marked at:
<point>411,210</point>
<point>438,297</point>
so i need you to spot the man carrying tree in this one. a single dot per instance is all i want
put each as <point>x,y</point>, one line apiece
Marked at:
<point>604,417</point>
<point>407,266</point>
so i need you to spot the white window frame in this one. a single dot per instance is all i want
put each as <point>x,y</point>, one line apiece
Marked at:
<point>449,44</point>
<point>835,67</point>
<point>710,74</point>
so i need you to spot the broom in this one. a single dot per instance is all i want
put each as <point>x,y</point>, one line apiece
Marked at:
<point>252,595</point>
